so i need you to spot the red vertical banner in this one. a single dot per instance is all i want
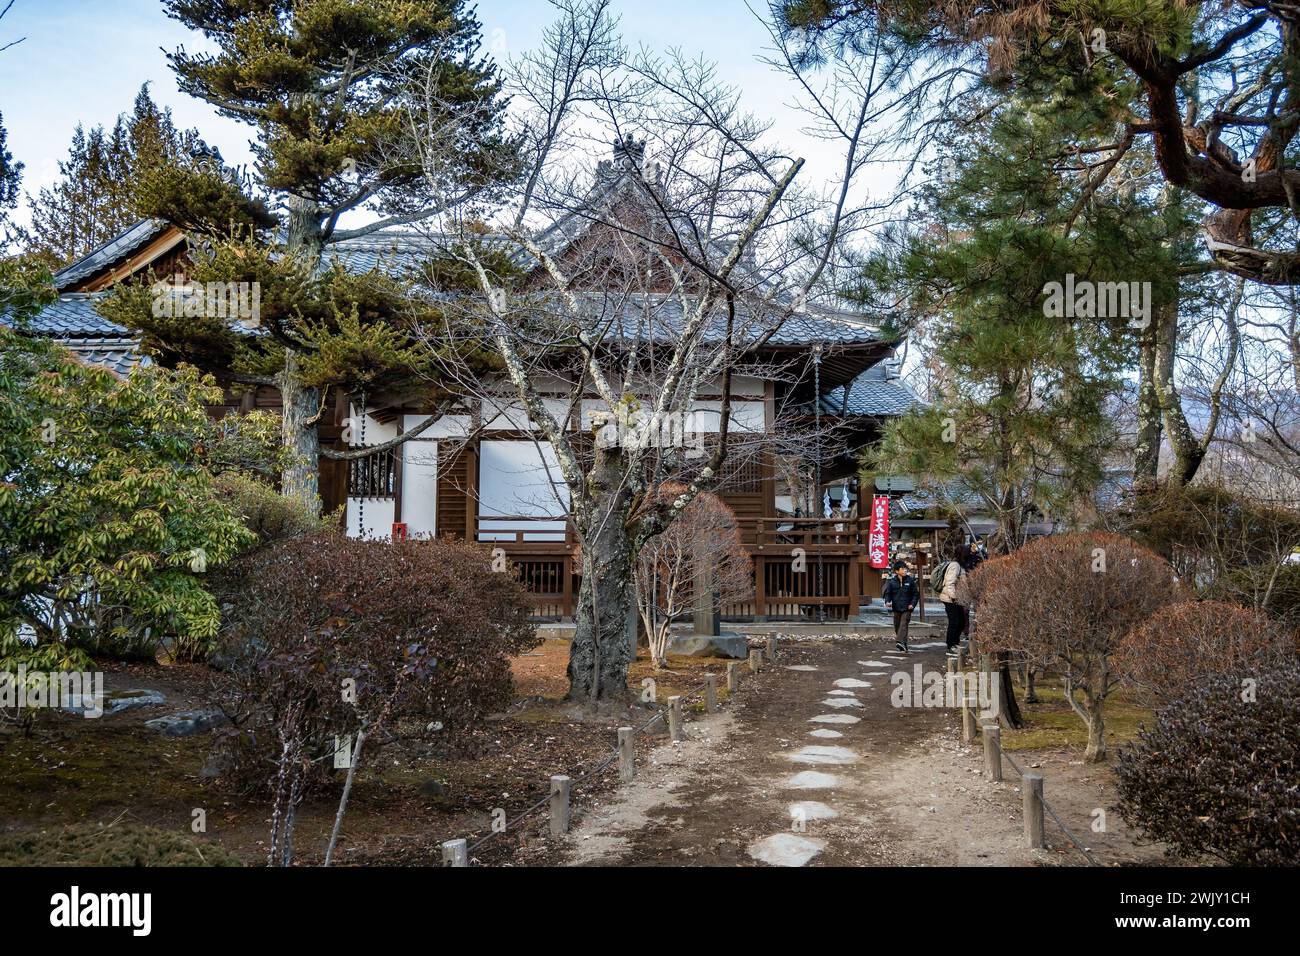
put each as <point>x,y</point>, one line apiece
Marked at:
<point>878,532</point>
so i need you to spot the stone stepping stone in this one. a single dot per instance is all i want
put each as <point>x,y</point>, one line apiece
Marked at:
<point>824,754</point>
<point>873,663</point>
<point>834,719</point>
<point>801,667</point>
<point>812,780</point>
<point>875,673</point>
<point>843,693</point>
<point>851,682</point>
<point>824,733</point>
<point>805,810</point>
<point>786,849</point>
<point>842,702</point>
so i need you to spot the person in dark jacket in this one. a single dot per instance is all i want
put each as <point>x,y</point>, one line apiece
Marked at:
<point>901,595</point>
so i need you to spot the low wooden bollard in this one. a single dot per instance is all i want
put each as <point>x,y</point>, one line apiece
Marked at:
<point>1032,788</point>
<point>961,658</point>
<point>755,661</point>
<point>771,647</point>
<point>967,721</point>
<point>711,693</point>
<point>455,853</point>
<point>993,750</point>
<point>733,677</point>
<point>675,719</point>
<point>560,788</point>
<point>952,665</point>
<point>626,754</point>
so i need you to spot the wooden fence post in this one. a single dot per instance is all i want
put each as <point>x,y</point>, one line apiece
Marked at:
<point>711,693</point>
<point>626,754</point>
<point>675,719</point>
<point>455,853</point>
<point>733,677</point>
<point>560,787</point>
<point>1032,787</point>
<point>967,719</point>
<point>771,648</point>
<point>755,661</point>
<point>993,750</point>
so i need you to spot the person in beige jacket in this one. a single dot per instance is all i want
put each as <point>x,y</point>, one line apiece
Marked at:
<point>955,612</point>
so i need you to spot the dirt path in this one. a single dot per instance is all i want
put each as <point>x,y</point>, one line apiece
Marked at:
<point>810,767</point>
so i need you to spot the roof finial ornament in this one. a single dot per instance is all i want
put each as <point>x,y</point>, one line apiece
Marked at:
<point>629,152</point>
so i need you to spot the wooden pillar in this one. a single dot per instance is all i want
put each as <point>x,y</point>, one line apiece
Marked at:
<point>455,853</point>
<point>733,677</point>
<point>711,693</point>
<point>1031,785</point>
<point>675,719</point>
<point>760,584</point>
<point>755,661</point>
<point>993,750</point>
<point>626,754</point>
<point>560,788</point>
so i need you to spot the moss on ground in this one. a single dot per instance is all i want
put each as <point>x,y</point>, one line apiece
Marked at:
<point>123,844</point>
<point>1052,723</point>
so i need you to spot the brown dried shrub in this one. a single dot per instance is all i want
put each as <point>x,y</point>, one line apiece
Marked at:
<point>1064,602</point>
<point>1183,643</point>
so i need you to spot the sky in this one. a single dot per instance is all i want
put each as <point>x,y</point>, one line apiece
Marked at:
<point>84,60</point>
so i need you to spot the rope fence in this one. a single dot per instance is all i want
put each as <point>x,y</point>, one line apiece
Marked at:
<point>1035,803</point>
<point>457,852</point>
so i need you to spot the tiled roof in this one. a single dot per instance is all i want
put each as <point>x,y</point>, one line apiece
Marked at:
<point>74,315</point>
<point>872,393</point>
<point>118,355</point>
<point>109,253</point>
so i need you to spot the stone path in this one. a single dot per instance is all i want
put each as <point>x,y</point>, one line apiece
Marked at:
<point>810,765</point>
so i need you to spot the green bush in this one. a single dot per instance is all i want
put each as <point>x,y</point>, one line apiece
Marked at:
<point>269,515</point>
<point>1217,774</point>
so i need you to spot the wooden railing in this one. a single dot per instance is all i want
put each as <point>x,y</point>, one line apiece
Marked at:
<point>374,476</point>
<point>813,535</point>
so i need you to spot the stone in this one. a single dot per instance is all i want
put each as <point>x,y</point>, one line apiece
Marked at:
<point>834,719</point>
<point>800,667</point>
<point>786,849</point>
<point>851,682</point>
<point>824,754</point>
<point>824,733</point>
<point>187,723</point>
<point>841,702</point>
<point>812,780</point>
<point>116,701</point>
<point>873,663</point>
<point>726,644</point>
<point>805,810</point>
<point>843,693</point>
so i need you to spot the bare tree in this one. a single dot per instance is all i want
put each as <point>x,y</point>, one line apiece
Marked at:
<point>634,305</point>
<point>702,548</point>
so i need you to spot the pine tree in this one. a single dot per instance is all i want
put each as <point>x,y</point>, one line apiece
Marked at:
<point>104,178</point>
<point>11,174</point>
<point>326,86</point>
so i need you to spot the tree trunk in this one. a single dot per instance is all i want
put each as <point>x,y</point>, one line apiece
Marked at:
<point>1146,451</point>
<point>1188,452</point>
<point>1009,711</point>
<point>599,654</point>
<point>301,475</point>
<point>1096,752</point>
<point>1031,692</point>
